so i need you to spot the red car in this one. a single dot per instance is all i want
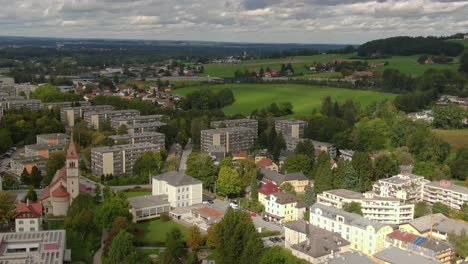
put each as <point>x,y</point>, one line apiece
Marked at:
<point>253,214</point>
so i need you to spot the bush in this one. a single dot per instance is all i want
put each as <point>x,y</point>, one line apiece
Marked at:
<point>165,217</point>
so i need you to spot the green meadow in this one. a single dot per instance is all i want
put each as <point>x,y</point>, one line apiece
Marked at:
<point>305,98</point>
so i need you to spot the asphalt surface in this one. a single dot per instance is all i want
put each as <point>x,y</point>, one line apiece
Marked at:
<point>183,159</point>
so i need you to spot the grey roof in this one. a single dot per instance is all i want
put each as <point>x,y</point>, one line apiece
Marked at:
<point>290,121</point>
<point>146,201</point>
<point>440,222</point>
<point>354,257</point>
<point>149,124</point>
<point>177,178</point>
<point>349,218</point>
<point>295,176</point>
<point>397,256</point>
<point>286,198</point>
<point>272,176</point>
<point>423,224</point>
<point>137,135</point>
<point>401,178</point>
<point>225,129</point>
<point>54,136</point>
<point>452,187</point>
<point>346,193</point>
<point>125,147</point>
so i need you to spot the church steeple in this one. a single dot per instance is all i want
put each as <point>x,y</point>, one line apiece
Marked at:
<point>72,169</point>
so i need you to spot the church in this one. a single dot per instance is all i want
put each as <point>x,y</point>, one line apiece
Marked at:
<point>64,187</point>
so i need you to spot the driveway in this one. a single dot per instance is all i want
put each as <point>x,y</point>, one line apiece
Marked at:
<point>183,159</point>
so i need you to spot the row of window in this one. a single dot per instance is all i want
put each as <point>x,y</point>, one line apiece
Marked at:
<point>32,221</point>
<point>21,229</point>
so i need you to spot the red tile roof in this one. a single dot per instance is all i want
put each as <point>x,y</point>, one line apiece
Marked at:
<point>33,208</point>
<point>268,188</point>
<point>402,236</point>
<point>264,162</point>
<point>71,151</point>
<point>45,193</point>
<point>241,154</point>
<point>60,192</point>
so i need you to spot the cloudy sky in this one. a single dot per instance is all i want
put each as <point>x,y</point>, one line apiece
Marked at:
<point>299,21</point>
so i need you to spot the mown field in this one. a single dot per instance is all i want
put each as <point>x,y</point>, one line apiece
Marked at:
<point>305,98</point>
<point>406,64</point>
<point>457,138</point>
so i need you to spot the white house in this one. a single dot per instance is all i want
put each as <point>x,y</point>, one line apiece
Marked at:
<point>28,217</point>
<point>181,190</point>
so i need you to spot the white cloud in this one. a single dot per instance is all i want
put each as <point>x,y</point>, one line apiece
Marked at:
<point>311,21</point>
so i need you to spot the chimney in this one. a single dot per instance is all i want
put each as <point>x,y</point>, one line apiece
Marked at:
<point>27,202</point>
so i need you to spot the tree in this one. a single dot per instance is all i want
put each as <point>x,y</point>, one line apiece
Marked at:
<point>25,177</point>
<point>439,207</point>
<point>464,63</point>
<point>309,196</point>
<point>122,249</point>
<point>362,164</point>
<point>200,165</point>
<point>327,106</point>
<point>175,248</point>
<point>279,145</point>
<point>6,141</point>
<point>461,243</point>
<point>55,162</point>
<point>323,174</point>
<point>195,238</point>
<point>384,167</point>
<point>450,116</point>
<point>150,163</point>
<point>298,163</point>
<point>31,195</point>
<point>346,177</point>
<point>229,182</point>
<point>278,255</point>
<point>7,204</point>
<point>122,130</point>
<point>36,177</point>
<point>422,209</point>
<point>110,209</point>
<point>353,207</point>
<point>368,135</point>
<point>305,147</point>
<point>288,188</point>
<point>254,188</point>
<point>97,193</point>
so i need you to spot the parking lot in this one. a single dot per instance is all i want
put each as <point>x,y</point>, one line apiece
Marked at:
<point>273,241</point>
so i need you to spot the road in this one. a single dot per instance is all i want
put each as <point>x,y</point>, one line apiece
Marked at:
<point>98,255</point>
<point>183,159</point>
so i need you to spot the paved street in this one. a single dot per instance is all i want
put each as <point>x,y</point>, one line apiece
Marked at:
<point>183,159</point>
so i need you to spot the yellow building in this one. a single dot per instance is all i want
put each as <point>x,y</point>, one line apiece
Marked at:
<point>297,179</point>
<point>283,207</point>
<point>364,235</point>
<point>437,226</point>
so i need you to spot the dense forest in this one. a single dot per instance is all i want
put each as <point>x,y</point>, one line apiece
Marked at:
<point>409,46</point>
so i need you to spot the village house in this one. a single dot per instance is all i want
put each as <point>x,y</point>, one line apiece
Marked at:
<point>297,179</point>
<point>436,226</point>
<point>283,207</point>
<point>28,216</point>
<point>266,163</point>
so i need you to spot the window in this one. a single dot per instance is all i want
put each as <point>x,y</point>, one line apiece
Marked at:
<point>32,229</point>
<point>21,229</point>
<point>20,222</point>
<point>32,221</point>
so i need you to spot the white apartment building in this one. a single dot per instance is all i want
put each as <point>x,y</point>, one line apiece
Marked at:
<point>404,186</point>
<point>445,192</point>
<point>364,235</point>
<point>387,210</point>
<point>181,190</point>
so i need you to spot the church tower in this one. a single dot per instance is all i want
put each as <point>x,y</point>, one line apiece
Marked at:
<point>72,170</point>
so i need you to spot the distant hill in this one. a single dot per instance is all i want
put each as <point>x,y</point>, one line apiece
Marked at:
<point>410,46</point>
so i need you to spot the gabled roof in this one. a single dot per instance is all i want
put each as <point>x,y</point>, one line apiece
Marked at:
<point>71,151</point>
<point>268,188</point>
<point>60,192</point>
<point>265,162</point>
<point>33,208</point>
<point>272,176</point>
<point>295,176</point>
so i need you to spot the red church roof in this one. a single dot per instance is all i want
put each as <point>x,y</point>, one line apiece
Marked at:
<point>60,192</point>
<point>268,188</point>
<point>33,208</point>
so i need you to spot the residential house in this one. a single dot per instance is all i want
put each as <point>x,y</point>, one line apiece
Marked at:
<point>297,179</point>
<point>364,235</point>
<point>28,217</point>
<point>181,190</point>
<point>376,208</point>
<point>265,190</point>
<point>436,226</point>
<point>240,155</point>
<point>283,207</point>
<point>346,154</point>
<point>312,243</point>
<point>439,250</point>
<point>266,163</point>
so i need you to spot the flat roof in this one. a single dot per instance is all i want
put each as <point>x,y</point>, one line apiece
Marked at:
<point>177,178</point>
<point>149,124</point>
<point>124,147</point>
<point>451,187</point>
<point>146,201</point>
<point>53,136</point>
<point>346,193</point>
<point>137,135</point>
<point>396,255</point>
<point>226,129</point>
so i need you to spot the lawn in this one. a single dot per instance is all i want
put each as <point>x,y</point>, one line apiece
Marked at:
<point>457,138</point>
<point>305,98</point>
<point>135,194</point>
<point>151,232</point>
<point>406,64</point>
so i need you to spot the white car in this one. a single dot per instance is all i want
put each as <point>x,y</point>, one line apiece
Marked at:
<point>234,205</point>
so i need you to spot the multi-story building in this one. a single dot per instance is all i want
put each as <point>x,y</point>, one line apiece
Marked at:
<point>445,192</point>
<point>245,122</point>
<point>181,190</point>
<point>5,80</point>
<point>145,137</point>
<point>119,159</point>
<point>95,118</point>
<point>34,247</point>
<point>437,226</point>
<point>19,164</point>
<point>439,250</point>
<point>68,115</point>
<point>65,104</point>
<point>376,208</point>
<point>43,150</point>
<point>291,128</point>
<point>116,122</point>
<point>231,139</point>
<point>297,179</point>
<point>28,217</point>
<point>32,104</point>
<point>52,139</point>
<point>311,243</point>
<point>283,207</point>
<point>364,235</point>
<point>404,186</point>
<point>145,127</point>
<point>329,148</point>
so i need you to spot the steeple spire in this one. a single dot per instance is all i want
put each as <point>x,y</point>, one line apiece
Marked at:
<point>71,151</point>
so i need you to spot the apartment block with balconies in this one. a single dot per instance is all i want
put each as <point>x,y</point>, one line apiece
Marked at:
<point>376,208</point>
<point>445,192</point>
<point>145,137</point>
<point>116,122</point>
<point>245,122</point>
<point>69,115</point>
<point>94,119</point>
<point>119,159</point>
<point>231,139</point>
<point>291,128</point>
<point>405,186</point>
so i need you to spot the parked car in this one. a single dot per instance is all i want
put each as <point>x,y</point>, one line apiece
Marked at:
<point>253,214</point>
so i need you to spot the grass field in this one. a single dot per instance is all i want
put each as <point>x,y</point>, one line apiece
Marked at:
<point>456,138</point>
<point>406,64</point>
<point>461,41</point>
<point>156,230</point>
<point>305,98</point>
